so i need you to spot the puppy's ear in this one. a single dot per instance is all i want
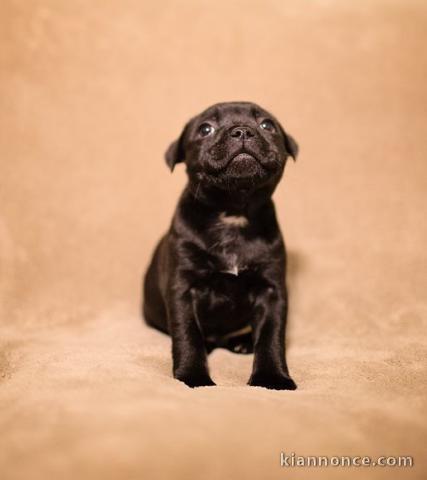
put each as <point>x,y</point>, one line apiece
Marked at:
<point>290,144</point>
<point>176,151</point>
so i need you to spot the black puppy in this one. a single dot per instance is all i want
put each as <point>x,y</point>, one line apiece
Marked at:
<point>217,278</point>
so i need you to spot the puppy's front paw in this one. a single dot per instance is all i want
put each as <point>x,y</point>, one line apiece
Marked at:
<point>273,382</point>
<point>195,380</point>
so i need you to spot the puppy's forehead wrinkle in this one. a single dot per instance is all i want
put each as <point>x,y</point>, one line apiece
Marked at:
<point>211,114</point>
<point>217,114</point>
<point>256,112</point>
<point>226,109</point>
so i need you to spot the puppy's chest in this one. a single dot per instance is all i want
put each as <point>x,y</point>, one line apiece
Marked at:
<point>228,244</point>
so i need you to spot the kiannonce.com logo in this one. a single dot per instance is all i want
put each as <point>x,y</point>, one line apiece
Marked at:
<point>294,460</point>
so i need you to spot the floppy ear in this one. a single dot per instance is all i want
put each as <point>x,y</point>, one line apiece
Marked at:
<point>176,152</point>
<point>290,144</point>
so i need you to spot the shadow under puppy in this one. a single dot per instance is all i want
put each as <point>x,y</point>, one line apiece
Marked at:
<point>217,278</point>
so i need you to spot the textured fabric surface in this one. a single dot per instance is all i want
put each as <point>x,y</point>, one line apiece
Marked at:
<point>91,94</point>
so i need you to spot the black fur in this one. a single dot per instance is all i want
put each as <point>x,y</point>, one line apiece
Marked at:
<point>217,278</point>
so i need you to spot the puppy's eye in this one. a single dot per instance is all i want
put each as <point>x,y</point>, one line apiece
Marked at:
<point>206,129</point>
<point>267,125</point>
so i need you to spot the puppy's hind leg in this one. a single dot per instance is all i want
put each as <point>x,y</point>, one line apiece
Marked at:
<point>155,316</point>
<point>153,306</point>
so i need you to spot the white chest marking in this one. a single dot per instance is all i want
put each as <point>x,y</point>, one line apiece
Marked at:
<point>233,220</point>
<point>239,221</point>
<point>233,269</point>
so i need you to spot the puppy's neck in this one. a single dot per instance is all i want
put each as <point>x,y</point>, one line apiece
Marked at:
<point>257,217</point>
<point>230,203</point>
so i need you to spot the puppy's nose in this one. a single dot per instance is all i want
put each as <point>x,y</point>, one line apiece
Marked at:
<point>242,132</point>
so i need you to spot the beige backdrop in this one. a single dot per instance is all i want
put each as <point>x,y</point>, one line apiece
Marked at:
<point>91,94</point>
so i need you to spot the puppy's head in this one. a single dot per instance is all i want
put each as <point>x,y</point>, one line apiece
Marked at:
<point>233,145</point>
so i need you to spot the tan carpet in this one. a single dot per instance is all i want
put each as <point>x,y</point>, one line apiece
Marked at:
<point>91,94</point>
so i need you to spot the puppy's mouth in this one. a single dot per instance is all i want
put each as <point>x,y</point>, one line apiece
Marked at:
<point>243,165</point>
<point>244,157</point>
